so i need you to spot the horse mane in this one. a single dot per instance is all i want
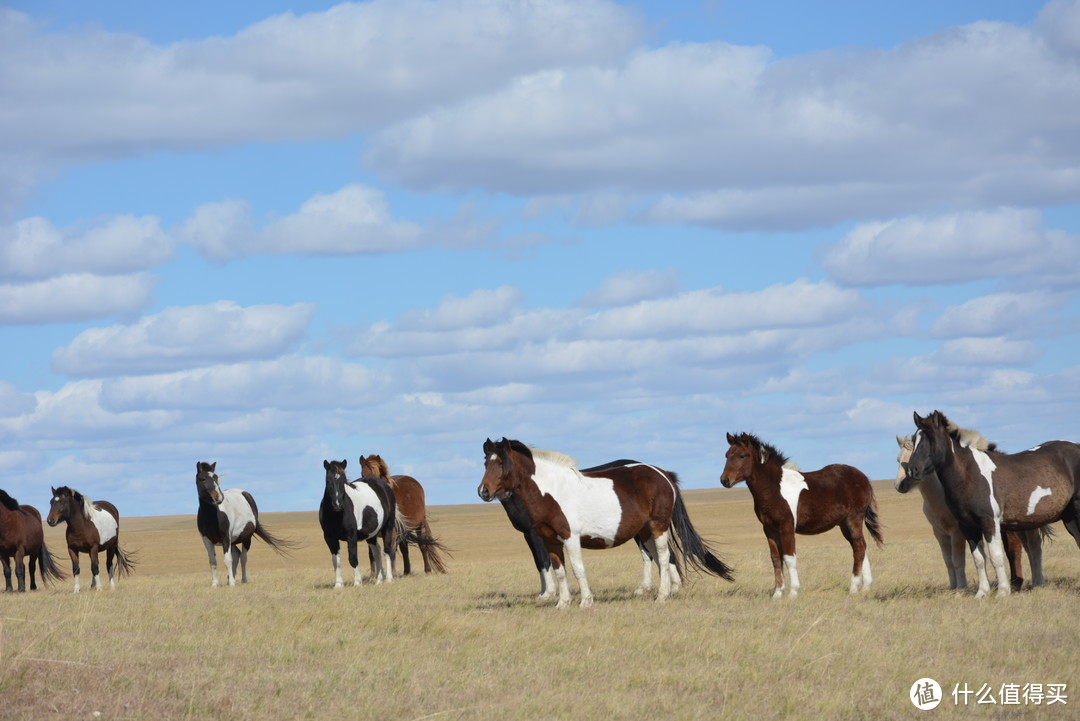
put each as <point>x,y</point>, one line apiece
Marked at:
<point>765,450</point>
<point>9,503</point>
<point>86,504</point>
<point>968,438</point>
<point>559,459</point>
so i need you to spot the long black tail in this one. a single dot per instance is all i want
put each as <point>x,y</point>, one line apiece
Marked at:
<point>692,547</point>
<point>283,546</point>
<point>49,570</point>
<point>125,561</point>
<point>873,524</point>
<point>429,546</point>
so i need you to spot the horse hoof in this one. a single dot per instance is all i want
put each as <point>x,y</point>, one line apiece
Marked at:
<point>640,591</point>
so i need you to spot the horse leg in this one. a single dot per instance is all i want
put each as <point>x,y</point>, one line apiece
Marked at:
<point>648,552</point>
<point>426,551</point>
<point>95,569</point>
<point>75,567</point>
<point>230,556</point>
<point>860,567</point>
<point>959,559</point>
<point>6,561</point>
<point>243,561</point>
<point>996,549</point>
<point>354,560</point>
<point>209,552</point>
<point>389,547</point>
<point>778,569</point>
<point>373,548</point>
<point>403,547</point>
<point>558,563</point>
<point>663,560</point>
<point>110,566</point>
<point>33,571</point>
<point>1032,542</point>
<point>945,544</point>
<point>980,567</point>
<point>1014,555</point>
<point>20,570</point>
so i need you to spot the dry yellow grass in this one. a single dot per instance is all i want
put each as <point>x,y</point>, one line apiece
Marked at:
<point>474,644</point>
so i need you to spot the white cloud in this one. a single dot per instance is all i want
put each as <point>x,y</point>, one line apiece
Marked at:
<point>91,94</point>
<point>989,352</point>
<point>632,286</point>
<point>33,249</point>
<point>353,220</point>
<point>75,297</point>
<point>184,338</point>
<point>736,138</point>
<point>952,248</point>
<point>996,313</point>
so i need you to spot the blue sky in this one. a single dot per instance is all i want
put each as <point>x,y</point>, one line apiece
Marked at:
<point>266,234</point>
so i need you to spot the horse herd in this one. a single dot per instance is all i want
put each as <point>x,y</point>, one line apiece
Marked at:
<point>974,495</point>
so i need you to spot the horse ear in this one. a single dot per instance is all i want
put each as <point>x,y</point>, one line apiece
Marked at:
<point>213,466</point>
<point>344,463</point>
<point>730,439</point>
<point>900,441</point>
<point>919,420</point>
<point>53,491</point>
<point>326,464</point>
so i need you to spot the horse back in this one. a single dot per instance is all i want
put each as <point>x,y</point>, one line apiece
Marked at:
<point>409,496</point>
<point>645,493</point>
<point>1036,486</point>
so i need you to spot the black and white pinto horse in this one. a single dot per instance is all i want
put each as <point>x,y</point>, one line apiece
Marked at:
<point>990,492</point>
<point>230,518</point>
<point>361,510</point>
<point>573,509</point>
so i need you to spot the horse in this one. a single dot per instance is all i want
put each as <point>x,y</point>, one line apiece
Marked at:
<point>412,511</point>
<point>990,492</point>
<point>360,510</point>
<point>951,539</point>
<point>21,536</point>
<point>572,509</point>
<point>788,501</point>
<point>230,518</point>
<point>92,526</point>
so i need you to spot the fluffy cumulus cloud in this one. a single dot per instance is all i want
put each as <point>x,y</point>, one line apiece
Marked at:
<point>74,297</point>
<point>91,94</point>
<point>953,248</point>
<point>185,337</point>
<point>733,137</point>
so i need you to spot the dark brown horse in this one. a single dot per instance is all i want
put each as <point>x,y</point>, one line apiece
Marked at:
<point>572,509</point>
<point>412,510</point>
<point>91,527</point>
<point>787,502</point>
<point>21,536</point>
<point>990,492</point>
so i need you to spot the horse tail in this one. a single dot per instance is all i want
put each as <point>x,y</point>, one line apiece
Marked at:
<point>282,546</point>
<point>421,536</point>
<point>873,524</point>
<point>125,561</point>
<point>693,549</point>
<point>49,570</point>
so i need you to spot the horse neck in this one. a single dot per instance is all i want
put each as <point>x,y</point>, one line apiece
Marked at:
<point>765,478</point>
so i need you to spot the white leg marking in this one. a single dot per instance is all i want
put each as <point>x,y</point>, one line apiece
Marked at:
<point>389,566</point>
<point>78,587</point>
<point>96,581</point>
<point>867,574</point>
<point>337,570</point>
<point>663,558</point>
<point>997,557</point>
<point>564,587</point>
<point>791,563</point>
<point>980,569</point>
<point>646,573</point>
<point>547,584</point>
<point>573,555</point>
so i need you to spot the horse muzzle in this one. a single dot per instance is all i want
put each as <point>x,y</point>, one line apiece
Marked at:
<point>487,496</point>
<point>52,521</point>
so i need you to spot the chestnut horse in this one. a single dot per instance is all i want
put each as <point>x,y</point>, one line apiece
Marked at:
<point>787,502</point>
<point>412,509</point>
<point>990,492</point>
<point>951,539</point>
<point>21,535</point>
<point>572,509</point>
<point>92,526</point>
<point>230,518</point>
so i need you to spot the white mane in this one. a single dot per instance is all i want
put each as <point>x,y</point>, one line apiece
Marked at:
<point>792,466</point>
<point>560,459</point>
<point>969,438</point>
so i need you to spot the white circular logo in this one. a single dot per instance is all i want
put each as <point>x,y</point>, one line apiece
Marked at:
<point>925,694</point>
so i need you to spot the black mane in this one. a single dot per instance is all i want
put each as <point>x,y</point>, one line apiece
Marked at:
<point>10,503</point>
<point>764,449</point>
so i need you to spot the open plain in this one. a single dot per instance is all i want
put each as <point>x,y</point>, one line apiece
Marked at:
<point>475,643</point>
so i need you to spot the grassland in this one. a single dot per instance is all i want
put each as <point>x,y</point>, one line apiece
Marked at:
<point>475,644</point>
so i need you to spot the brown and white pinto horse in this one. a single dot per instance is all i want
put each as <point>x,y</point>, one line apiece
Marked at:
<point>92,526</point>
<point>571,509</point>
<point>412,511</point>
<point>787,502</point>
<point>21,536</point>
<point>990,492</point>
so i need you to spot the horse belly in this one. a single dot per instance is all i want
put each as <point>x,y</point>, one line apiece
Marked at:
<point>106,525</point>
<point>237,509</point>
<point>367,510</point>
<point>599,515</point>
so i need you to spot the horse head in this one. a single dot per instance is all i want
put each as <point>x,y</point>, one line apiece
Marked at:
<point>501,475</point>
<point>374,466</point>
<point>207,482</point>
<point>742,456</point>
<point>335,483</point>
<point>931,445</point>
<point>904,481</point>
<point>60,505</point>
